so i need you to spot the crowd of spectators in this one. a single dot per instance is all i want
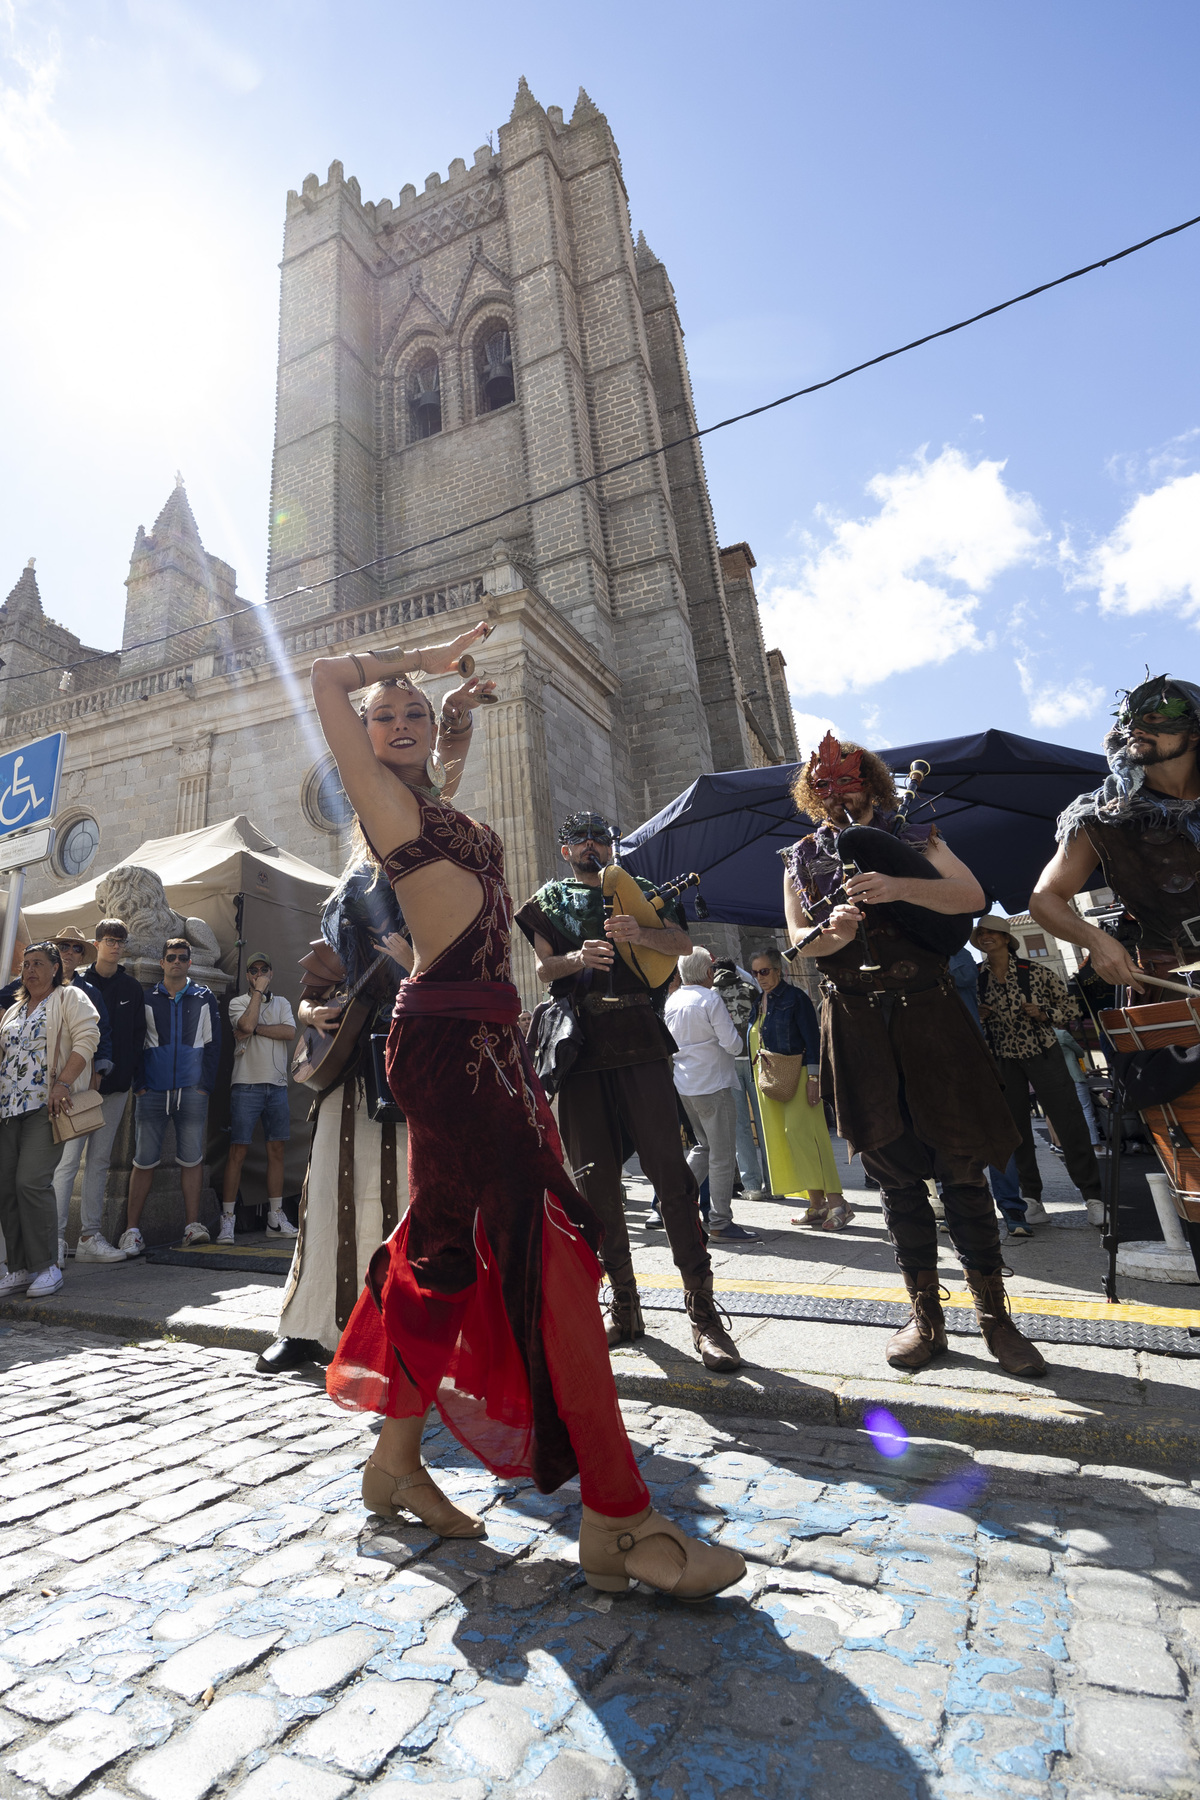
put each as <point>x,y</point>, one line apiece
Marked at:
<point>79,1035</point>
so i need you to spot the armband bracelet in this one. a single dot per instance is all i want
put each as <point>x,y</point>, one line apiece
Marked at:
<point>397,654</point>
<point>455,724</point>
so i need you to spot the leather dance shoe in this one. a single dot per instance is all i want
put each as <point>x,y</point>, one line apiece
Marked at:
<point>290,1353</point>
<point>392,1496</point>
<point>613,1552</point>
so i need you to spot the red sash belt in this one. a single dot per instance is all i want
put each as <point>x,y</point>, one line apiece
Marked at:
<point>495,1002</point>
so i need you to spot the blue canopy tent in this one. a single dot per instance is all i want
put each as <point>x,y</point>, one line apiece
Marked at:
<point>996,796</point>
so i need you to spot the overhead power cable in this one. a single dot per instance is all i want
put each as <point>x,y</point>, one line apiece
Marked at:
<point>630,462</point>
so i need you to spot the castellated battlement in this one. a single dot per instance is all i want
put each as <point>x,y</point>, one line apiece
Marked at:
<point>384,215</point>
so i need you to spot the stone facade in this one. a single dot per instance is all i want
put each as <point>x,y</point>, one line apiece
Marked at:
<point>441,361</point>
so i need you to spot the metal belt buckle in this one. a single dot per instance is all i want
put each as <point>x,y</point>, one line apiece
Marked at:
<point>1186,925</point>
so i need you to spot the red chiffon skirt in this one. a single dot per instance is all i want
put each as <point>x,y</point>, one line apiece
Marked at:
<point>484,1301</point>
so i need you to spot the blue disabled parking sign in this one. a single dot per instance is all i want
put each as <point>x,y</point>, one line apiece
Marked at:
<point>29,783</point>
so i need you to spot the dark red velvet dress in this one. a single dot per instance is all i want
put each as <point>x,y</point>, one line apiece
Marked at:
<point>484,1299</point>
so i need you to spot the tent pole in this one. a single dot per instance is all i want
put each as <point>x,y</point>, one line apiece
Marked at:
<point>239,901</point>
<point>12,920</point>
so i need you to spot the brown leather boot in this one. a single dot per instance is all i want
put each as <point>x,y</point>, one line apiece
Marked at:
<point>714,1346</point>
<point>624,1314</point>
<point>924,1335</point>
<point>1015,1354</point>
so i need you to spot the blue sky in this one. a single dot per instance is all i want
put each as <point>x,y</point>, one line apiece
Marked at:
<point>999,529</point>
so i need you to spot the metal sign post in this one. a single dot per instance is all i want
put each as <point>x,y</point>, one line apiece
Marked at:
<point>29,779</point>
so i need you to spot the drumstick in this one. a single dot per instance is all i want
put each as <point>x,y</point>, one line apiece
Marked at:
<point>1176,987</point>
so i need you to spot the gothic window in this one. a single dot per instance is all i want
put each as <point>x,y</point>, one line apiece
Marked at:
<point>77,847</point>
<point>424,397</point>
<point>494,367</point>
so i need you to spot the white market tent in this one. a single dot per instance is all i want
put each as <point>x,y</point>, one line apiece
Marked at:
<point>202,872</point>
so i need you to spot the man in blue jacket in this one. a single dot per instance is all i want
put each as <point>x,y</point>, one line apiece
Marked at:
<point>175,1076</point>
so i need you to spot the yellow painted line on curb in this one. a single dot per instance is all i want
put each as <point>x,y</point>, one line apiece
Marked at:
<point>1130,1312</point>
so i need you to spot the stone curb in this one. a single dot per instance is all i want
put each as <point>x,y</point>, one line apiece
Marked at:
<point>1132,1436</point>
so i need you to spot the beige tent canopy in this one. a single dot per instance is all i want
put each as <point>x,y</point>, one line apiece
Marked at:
<point>203,872</point>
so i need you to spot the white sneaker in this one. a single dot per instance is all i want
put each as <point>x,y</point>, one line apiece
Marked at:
<point>1095,1211</point>
<point>225,1232</point>
<point>131,1242</point>
<point>195,1233</point>
<point>48,1282</point>
<point>1036,1214</point>
<point>97,1249</point>
<point>279,1225</point>
<point>16,1283</point>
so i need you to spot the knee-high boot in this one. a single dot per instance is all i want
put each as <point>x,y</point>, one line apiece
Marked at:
<point>625,1321</point>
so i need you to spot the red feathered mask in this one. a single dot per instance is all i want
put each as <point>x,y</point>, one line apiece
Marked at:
<point>830,773</point>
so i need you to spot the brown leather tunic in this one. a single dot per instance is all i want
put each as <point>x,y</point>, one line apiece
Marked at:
<point>904,1030</point>
<point>1155,873</point>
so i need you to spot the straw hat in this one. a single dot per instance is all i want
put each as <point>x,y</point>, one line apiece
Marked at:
<point>993,922</point>
<point>71,934</point>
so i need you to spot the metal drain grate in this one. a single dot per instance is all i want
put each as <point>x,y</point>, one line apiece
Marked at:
<point>1042,1328</point>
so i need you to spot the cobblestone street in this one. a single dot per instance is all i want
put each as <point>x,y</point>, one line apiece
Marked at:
<point>194,1600</point>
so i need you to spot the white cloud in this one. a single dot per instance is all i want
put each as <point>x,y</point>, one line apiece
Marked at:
<point>898,590</point>
<point>1152,559</point>
<point>28,81</point>
<point>810,729</point>
<point>1053,704</point>
<point>231,67</point>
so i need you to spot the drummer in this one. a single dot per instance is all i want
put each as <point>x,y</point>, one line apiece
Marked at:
<point>619,1095</point>
<point>1143,828</point>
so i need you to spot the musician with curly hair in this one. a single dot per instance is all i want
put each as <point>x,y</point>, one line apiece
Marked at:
<point>881,902</point>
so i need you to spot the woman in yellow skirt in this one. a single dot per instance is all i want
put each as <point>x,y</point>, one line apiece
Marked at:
<point>799,1153</point>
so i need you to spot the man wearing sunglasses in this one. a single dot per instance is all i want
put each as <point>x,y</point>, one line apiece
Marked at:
<point>619,1096</point>
<point>175,1076</point>
<point>1143,828</point>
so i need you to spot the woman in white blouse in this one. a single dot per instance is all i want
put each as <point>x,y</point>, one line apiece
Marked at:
<point>47,1040</point>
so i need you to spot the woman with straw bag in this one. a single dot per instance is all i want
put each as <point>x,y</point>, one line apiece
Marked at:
<point>785,1048</point>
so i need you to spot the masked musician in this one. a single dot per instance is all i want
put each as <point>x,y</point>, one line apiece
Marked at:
<point>914,1088</point>
<point>619,1095</point>
<point>1143,828</point>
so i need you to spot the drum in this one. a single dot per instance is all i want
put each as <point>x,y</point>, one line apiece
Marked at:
<point>1174,1128</point>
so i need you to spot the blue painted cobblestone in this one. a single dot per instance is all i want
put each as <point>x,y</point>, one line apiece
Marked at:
<point>177,1621</point>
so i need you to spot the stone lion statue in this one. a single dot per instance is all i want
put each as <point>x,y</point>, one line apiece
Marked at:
<point>137,896</point>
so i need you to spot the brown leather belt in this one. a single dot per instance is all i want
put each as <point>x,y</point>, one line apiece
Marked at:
<point>597,1003</point>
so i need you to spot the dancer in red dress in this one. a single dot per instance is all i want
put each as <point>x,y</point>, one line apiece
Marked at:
<point>484,1299</point>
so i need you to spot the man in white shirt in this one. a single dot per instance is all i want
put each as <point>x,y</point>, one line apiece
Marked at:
<point>263,1028</point>
<point>706,1080</point>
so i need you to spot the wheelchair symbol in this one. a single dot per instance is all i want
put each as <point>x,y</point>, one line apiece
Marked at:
<point>21,786</point>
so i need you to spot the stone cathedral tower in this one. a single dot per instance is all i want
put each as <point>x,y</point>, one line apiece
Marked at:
<point>496,337</point>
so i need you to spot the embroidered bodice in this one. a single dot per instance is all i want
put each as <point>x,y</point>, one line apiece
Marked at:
<point>481,952</point>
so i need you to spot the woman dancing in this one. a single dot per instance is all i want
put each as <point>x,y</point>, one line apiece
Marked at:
<point>484,1299</point>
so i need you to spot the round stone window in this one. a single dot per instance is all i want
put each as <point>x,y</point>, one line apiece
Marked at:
<point>324,798</point>
<point>77,847</point>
